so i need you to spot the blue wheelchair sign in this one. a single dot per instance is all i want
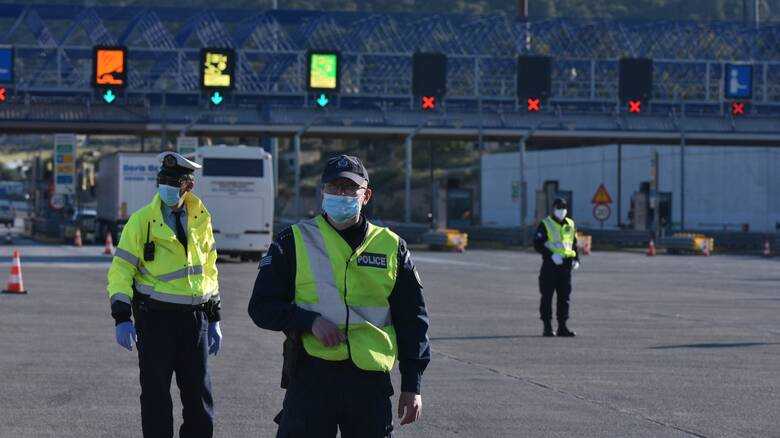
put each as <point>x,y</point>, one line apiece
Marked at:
<point>739,81</point>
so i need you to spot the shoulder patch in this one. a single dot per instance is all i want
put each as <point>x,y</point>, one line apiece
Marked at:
<point>265,261</point>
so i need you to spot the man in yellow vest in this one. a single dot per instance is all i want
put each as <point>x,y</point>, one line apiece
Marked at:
<point>556,241</point>
<point>164,275</point>
<point>348,297</point>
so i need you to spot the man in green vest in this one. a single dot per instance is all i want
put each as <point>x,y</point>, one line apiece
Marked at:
<point>349,299</point>
<point>556,241</point>
<point>164,275</point>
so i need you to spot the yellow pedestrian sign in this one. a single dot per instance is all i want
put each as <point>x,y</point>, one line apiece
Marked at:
<point>602,196</point>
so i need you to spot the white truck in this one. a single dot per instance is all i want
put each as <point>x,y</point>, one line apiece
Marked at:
<point>126,182</point>
<point>236,184</point>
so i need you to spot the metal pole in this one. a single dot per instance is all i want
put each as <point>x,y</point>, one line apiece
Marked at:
<point>523,191</point>
<point>433,187</point>
<point>619,184</point>
<point>682,180</point>
<point>408,180</point>
<point>275,158</point>
<point>297,145</point>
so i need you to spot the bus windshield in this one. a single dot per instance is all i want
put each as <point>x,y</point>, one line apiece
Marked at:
<point>233,167</point>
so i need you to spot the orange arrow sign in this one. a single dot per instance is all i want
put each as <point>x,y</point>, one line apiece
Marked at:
<point>601,196</point>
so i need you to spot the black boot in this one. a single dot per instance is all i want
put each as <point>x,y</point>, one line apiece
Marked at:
<point>564,331</point>
<point>548,331</point>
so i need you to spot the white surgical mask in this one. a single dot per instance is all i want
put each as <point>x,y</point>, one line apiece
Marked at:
<point>560,213</point>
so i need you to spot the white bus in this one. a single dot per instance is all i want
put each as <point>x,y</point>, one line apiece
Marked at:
<point>237,186</point>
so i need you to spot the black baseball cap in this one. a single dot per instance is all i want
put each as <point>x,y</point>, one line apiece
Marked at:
<point>345,166</point>
<point>560,203</point>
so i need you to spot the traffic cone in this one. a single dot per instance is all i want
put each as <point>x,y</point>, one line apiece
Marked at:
<point>109,245</point>
<point>767,249</point>
<point>77,238</point>
<point>15,284</point>
<point>651,248</point>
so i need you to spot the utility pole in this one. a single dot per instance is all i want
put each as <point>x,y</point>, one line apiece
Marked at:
<point>619,184</point>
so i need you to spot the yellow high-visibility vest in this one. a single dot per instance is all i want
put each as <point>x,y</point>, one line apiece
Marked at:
<point>174,276</point>
<point>349,288</point>
<point>560,237</point>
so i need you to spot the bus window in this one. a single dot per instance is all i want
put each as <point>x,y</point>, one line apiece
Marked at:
<point>232,167</point>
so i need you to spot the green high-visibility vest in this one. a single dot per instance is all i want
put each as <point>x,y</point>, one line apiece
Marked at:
<point>349,288</point>
<point>560,237</point>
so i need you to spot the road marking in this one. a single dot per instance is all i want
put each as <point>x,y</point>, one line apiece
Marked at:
<point>439,261</point>
<point>58,265</point>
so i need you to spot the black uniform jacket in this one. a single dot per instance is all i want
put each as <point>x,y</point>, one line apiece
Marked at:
<point>272,304</point>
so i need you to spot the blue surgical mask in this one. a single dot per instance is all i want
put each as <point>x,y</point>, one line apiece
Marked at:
<point>341,208</point>
<point>169,195</point>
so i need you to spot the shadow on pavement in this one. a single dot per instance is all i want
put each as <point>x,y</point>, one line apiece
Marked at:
<point>716,345</point>
<point>469,338</point>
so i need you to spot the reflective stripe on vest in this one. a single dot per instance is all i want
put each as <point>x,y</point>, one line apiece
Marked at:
<point>330,304</point>
<point>171,298</point>
<point>560,238</point>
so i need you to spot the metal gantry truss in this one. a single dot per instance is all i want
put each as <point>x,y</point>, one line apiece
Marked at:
<point>54,48</point>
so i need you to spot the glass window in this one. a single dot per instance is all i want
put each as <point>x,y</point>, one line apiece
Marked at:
<point>232,167</point>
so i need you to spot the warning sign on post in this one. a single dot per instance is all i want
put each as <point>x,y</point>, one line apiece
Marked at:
<point>601,196</point>
<point>601,201</point>
<point>65,164</point>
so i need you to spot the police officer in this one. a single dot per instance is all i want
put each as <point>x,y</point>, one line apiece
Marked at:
<point>556,241</point>
<point>349,299</point>
<point>164,275</point>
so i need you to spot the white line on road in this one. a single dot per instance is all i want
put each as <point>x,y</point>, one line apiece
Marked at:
<point>439,261</point>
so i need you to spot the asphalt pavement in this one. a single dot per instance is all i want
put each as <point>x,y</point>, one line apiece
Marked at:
<point>670,346</point>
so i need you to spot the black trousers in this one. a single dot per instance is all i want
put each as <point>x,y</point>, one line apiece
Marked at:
<point>326,396</point>
<point>174,341</point>
<point>554,280</point>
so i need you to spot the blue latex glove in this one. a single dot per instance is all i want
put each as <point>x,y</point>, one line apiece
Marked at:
<point>125,335</point>
<point>215,338</point>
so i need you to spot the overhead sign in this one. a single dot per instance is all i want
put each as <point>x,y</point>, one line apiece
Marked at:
<point>110,67</point>
<point>186,145</point>
<point>739,81</point>
<point>601,196</point>
<point>6,65</point>
<point>323,71</point>
<point>217,69</point>
<point>65,164</point>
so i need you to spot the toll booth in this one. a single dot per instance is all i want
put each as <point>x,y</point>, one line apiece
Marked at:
<point>642,215</point>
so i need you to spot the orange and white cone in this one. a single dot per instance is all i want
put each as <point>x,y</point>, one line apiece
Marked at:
<point>767,249</point>
<point>77,238</point>
<point>15,284</point>
<point>109,245</point>
<point>651,248</point>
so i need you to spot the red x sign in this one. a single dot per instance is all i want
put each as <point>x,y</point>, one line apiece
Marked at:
<point>737,108</point>
<point>428,102</point>
<point>534,105</point>
<point>635,106</point>
<point>2,94</point>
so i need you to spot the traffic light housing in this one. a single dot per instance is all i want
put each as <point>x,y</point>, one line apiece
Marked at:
<point>534,79</point>
<point>636,80</point>
<point>429,74</point>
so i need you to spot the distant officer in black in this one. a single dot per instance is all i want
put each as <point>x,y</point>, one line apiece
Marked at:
<point>556,241</point>
<point>349,300</point>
